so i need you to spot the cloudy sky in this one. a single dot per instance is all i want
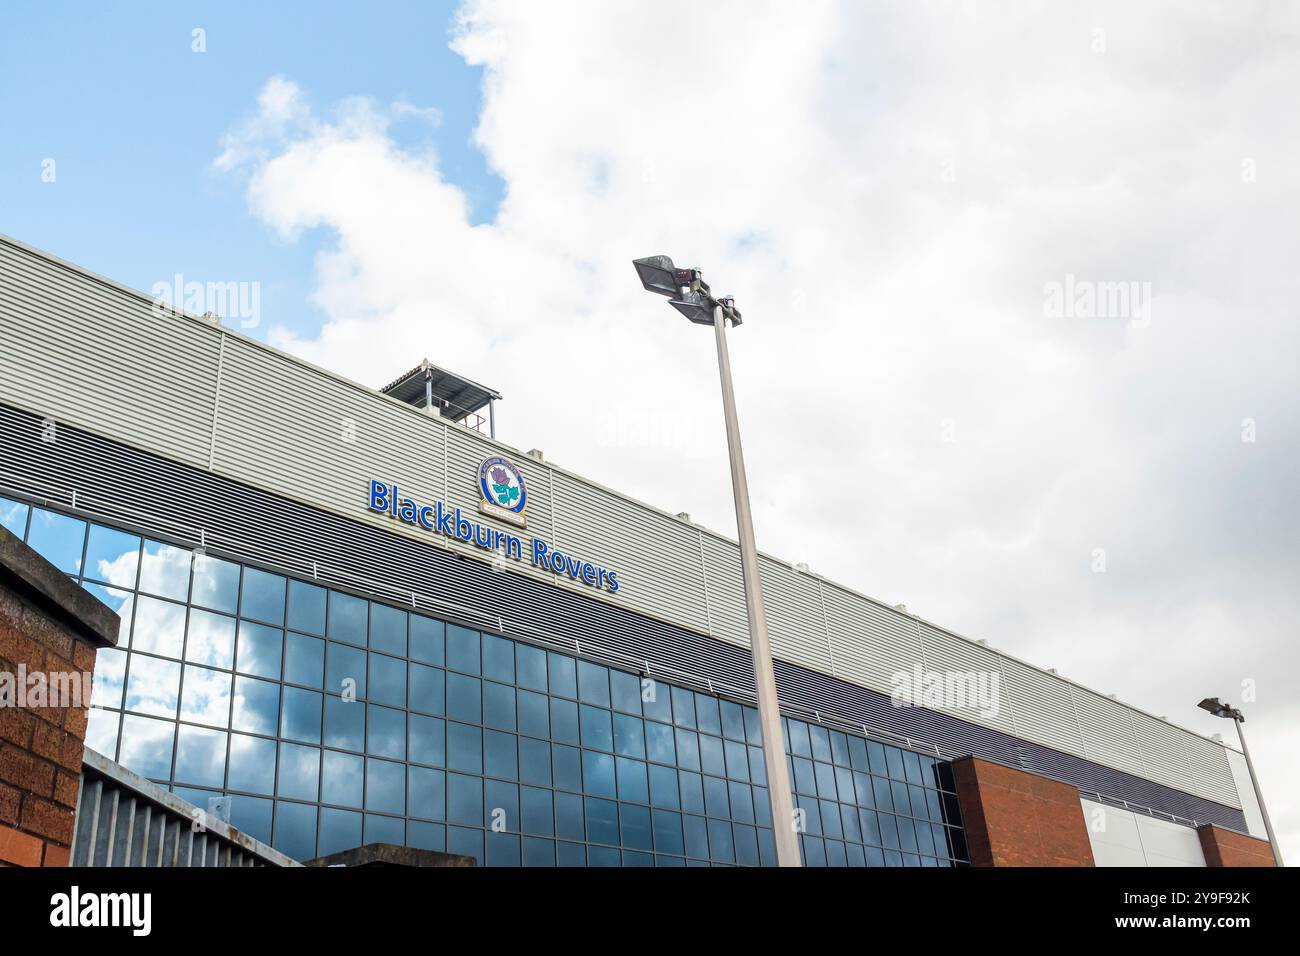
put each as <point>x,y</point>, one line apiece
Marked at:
<point>921,209</point>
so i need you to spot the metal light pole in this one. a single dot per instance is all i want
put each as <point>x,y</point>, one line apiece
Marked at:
<point>697,304</point>
<point>1220,709</point>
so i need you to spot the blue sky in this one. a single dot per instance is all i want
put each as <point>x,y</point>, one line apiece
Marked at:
<point>133,118</point>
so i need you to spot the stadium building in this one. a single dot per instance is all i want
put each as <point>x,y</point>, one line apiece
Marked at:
<point>365,620</point>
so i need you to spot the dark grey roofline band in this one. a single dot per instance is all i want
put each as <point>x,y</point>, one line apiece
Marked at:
<point>196,507</point>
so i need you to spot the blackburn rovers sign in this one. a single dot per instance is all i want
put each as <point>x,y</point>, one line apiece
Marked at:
<point>504,496</point>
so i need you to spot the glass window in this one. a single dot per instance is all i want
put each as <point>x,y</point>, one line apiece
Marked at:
<point>345,723</point>
<point>563,675</point>
<point>531,662</point>
<point>742,804</point>
<point>796,732</point>
<point>659,743</point>
<point>252,764</point>
<point>569,821</point>
<point>385,731</point>
<point>387,629</point>
<point>632,784</point>
<point>462,649</point>
<point>258,650</point>
<point>464,799</point>
<point>498,658</point>
<point>201,756</point>
<point>663,787</point>
<point>688,750</point>
<point>629,740</point>
<point>602,821</point>
<point>304,660</point>
<point>427,689</point>
<point>147,746</point>
<point>306,608</point>
<point>385,786</point>
<point>295,830</point>
<point>534,718</point>
<point>428,793</point>
<point>697,837</point>
<point>711,755</point>
<point>347,618</point>
<point>668,832</point>
<point>501,804</point>
<point>216,583</point>
<point>110,675</point>
<point>625,692</point>
<point>535,761</point>
<point>733,721</point>
<point>537,814</point>
<point>165,571</point>
<point>256,706</point>
<point>13,517</point>
<point>339,830</point>
<point>58,539</point>
<point>113,556</point>
<point>500,754</point>
<point>300,716</point>
<point>692,791</point>
<point>706,715</point>
<point>464,698</point>
<point>345,670</point>
<point>205,698</point>
<point>753,727</point>
<point>464,748</point>
<point>299,771</point>
<point>634,824</point>
<point>262,597</point>
<point>159,627</point>
<point>152,685</point>
<point>656,701</point>
<point>597,732</point>
<point>564,720</point>
<point>737,760</point>
<point>428,740</point>
<point>566,763</point>
<point>858,754</point>
<point>385,830</point>
<point>426,836</point>
<point>465,842</point>
<point>387,680</point>
<point>840,748</point>
<point>821,743</point>
<point>593,684</point>
<point>683,707</point>
<point>721,846</point>
<point>598,773</point>
<point>538,852</point>
<point>209,638</point>
<point>498,706</point>
<point>715,797</point>
<point>427,638</point>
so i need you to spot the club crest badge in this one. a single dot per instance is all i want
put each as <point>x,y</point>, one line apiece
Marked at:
<point>504,493</point>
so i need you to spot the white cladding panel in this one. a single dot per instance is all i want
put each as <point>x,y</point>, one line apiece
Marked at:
<point>1121,837</point>
<point>89,352</point>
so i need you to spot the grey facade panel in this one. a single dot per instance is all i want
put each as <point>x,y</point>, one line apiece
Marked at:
<point>92,354</point>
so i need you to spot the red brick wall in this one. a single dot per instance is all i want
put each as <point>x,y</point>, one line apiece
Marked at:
<point>1226,848</point>
<point>1016,818</point>
<point>40,748</point>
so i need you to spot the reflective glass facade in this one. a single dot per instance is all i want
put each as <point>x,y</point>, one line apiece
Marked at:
<point>333,721</point>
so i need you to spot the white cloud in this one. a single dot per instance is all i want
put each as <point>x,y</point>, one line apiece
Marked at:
<point>887,190</point>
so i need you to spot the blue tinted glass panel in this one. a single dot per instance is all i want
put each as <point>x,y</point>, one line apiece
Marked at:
<point>306,611</point>
<point>428,740</point>
<point>153,686</point>
<point>385,732</point>
<point>252,764</point>
<point>347,618</point>
<point>258,650</point>
<point>201,756</point>
<point>629,740</point>
<point>498,706</point>
<point>563,675</point>
<point>339,830</point>
<point>464,799</point>
<point>535,761</point>
<point>147,746</point>
<point>597,732</point>
<point>300,715</point>
<point>387,680</point>
<point>256,706</point>
<point>657,701</point>
<point>427,689</point>
<point>537,813</point>
<point>209,639</point>
<point>385,786</point>
<point>58,539</point>
<point>534,714</point>
<point>159,627</point>
<point>464,748</point>
<point>205,698</point>
<point>304,660</point>
<point>164,569</point>
<point>464,698</point>
<point>593,684</point>
<point>500,754</point>
<point>427,640</point>
<point>299,775</point>
<point>13,517</point>
<point>598,773</point>
<point>602,821</point>
<point>345,670</point>
<point>345,723</point>
<point>428,793</point>
<point>387,630</point>
<point>114,557</point>
<point>262,597</point>
<point>342,778</point>
<point>498,659</point>
<point>462,649</point>
<point>566,764</point>
<point>216,583</point>
<point>569,817</point>
<point>295,830</point>
<point>531,662</point>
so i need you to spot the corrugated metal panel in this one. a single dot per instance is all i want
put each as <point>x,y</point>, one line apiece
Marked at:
<point>125,820</point>
<point>93,354</point>
<point>870,643</point>
<point>83,352</point>
<point>944,652</point>
<point>1108,734</point>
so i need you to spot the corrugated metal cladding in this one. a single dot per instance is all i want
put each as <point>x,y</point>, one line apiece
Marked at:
<point>87,352</point>
<point>192,505</point>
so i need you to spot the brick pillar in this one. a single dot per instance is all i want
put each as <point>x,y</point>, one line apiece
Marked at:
<point>1016,818</point>
<point>1227,848</point>
<point>50,632</point>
